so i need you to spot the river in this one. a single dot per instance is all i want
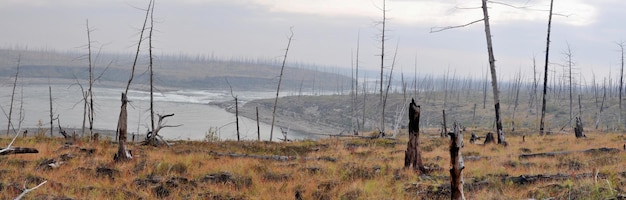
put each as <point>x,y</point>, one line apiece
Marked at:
<point>190,107</point>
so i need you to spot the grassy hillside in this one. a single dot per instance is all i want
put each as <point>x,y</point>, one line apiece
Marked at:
<point>337,113</point>
<point>325,169</point>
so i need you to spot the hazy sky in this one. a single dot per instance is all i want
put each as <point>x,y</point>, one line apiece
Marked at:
<point>326,31</point>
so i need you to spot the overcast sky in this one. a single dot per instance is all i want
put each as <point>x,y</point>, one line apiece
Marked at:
<point>326,31</point>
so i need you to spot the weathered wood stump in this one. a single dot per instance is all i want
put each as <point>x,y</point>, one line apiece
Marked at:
<point>413,157</point>
<point>578,130</point>
<point>456,163</point>
<point>489,138</point>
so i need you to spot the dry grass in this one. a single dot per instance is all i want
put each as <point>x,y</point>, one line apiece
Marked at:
<point>325,169</point>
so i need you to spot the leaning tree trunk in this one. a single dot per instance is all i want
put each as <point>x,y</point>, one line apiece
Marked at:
<point>456,163</point>
<point>122,152</point>
<point>413,156</point>
<point>494,79</point>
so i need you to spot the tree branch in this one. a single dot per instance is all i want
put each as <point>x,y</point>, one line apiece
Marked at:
<point>26,190</point>
<point>440,29</point>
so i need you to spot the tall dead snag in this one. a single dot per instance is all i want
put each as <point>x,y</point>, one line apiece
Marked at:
<point>153,139</point>
<point>89,90</point>
<point>578,130</point>
<point>621,78</point>
<point>494,78</point>
<point>280,78</point>
<point>456,163</point>
<point>492,66</point>
<point>123,154</point>
<point>382,67</point>
<point>13,94</point>
<point>51,111</point>
<point>236,107</point>
<point>545,75</point>
<point>413,156</point>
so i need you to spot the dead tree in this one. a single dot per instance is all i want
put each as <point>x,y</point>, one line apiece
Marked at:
<point>444,126</point>
<point>382,67</point>
<point>578,130</point>
<point>492,66</point>
<point>621,77</point>
<point>61,131</point>
<point>154,137</point>
<point>236,107</point>
<point>123,154</point>
<point>151,72</point>
<point>51,111</point>
<point>258,128</point>
<point>456,163</point>
<point>280,78</point>
<point>89,90</point>
<point>494,79</point>
<point>545,75</point>
<point>13,94</point>
<point>413,155</point>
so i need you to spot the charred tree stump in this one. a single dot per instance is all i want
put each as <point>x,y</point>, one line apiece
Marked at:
<point>578,130</point>
<point>489,138</point>
<point>456,163</point>
<point>413,157</point>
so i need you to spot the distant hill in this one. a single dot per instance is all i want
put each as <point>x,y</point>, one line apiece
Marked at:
<point>170,71</point>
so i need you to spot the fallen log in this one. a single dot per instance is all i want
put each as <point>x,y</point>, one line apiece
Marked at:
<point>557,153</point>
<point>18,150</point>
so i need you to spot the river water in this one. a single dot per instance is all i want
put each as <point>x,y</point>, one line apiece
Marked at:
<point>190,107</point>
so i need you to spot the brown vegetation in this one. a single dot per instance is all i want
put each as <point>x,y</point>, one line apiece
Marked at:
<point>326,169</point>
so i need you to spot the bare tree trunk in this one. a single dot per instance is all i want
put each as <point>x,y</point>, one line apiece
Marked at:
<point>85,94</point>
<point>91,110</point>
<point>123,153</point>
<point>356,86</point>
<point>13,94</point>
<point>413,155</point>
<point>258,128</point>
<point>568,54</point>
<point>456,163</point>
<point>280,78</point>
<point>444,124</point>
<point>485,92</point>
<point>599,116</point>
<point>545,76</point>
<point>621,79</point>
<point>494,79</point>
<point>382,67</point>
<point>153,138</point>
<point>387,91</point>
<point>236,108</point>
<point>51,113</point>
